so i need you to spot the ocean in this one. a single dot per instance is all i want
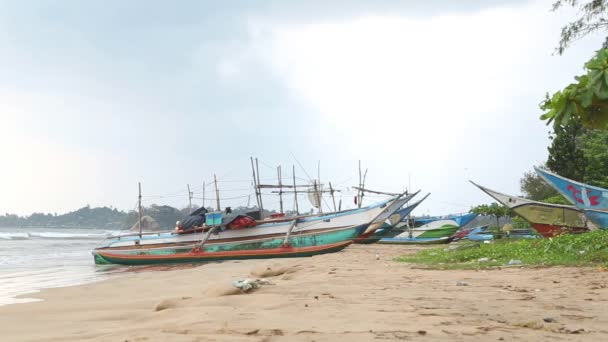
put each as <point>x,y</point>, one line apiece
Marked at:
<point>32,259</point>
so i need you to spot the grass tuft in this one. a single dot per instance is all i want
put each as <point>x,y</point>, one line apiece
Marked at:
<point>570,250</point>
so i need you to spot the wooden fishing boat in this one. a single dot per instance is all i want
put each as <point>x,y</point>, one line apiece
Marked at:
<point>295,239</point>
<point>593,200</point>
<point>598,217</point>
<point>389,227</point>
<point>582,195</point>
<point>414,241</point>
<point>372,216</point>
<point>197,256</point>
<point>298,237</point>
<point>547,219</point>
<point>482,234</point>
<point>459,220</point>
<point>431,230</point>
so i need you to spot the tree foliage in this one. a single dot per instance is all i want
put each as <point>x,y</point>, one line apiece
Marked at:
<point>566,155</point>
<point>535,188</point>
<point>595,149</point>
<point>593,17</point>
<point>586,99</point>
<point>493,209</point>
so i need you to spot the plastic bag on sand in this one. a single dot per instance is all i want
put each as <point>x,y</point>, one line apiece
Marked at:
<point>248,284</point>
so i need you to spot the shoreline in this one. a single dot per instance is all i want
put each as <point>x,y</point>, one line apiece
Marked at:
<point>360,294</point>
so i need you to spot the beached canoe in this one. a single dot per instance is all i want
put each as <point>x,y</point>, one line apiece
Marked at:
<point>593,200</point>
<point>390,227</point>
<point>431,230</point>
<point>297,240</point>
<point>413,241</point>
<point>598,217</point>
<point>459,220</point>
<point>206,256</point>
<point>547,219</point>
<point>582,195</point>
<point>373,216</point>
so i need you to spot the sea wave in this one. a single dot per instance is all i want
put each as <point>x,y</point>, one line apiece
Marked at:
<point>53,235</point>
<point>14,236</point>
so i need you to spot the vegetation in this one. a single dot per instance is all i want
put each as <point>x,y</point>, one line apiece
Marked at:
<point>104,218</point>
<point>593,17</point>
<point>584,100</point>
<point>571,250</point>
<point>535,188</point>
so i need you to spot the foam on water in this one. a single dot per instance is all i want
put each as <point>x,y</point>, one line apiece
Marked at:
<point>35,259</point>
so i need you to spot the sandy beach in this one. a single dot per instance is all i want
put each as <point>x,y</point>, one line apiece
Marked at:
<point>359,294</point>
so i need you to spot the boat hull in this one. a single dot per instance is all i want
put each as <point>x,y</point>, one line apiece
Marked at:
<point>414,241</point>
<point>298,240</point>
<point>582,195</point>
<point>549,220</point>
<point>598,217</point>
<point>206,256</point>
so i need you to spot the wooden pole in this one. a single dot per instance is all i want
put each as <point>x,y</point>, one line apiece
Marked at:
<point>255,184</point>
<point>217,193</point>
<point>199,246</point>
<point>189,200</point>
<point>139,208</point>
<point>331,191</point>
<point>295,190</point>
<point>257,171</point>
<point>203,194</point>
<point>288,234</point>
<point>318,195</point>
<point>280,188</point>
<point>360,186</point>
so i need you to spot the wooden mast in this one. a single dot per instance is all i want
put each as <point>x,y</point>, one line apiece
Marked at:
<point>360,186</point>
<point>318,189</point>
<point>203,194</point>
<point>139,208</point>
<point>280,188</point>
<point>331,191</point>
<point>295,190</point>
<point>255,185</point>
<point>217,193</point>
<point>189,200</point>
<point>257,171</point>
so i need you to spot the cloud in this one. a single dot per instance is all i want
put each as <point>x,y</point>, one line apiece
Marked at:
<point>441,98</point>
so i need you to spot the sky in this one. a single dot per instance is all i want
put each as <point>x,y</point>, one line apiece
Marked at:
<point>98,96</point>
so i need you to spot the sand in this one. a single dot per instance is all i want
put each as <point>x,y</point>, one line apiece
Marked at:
<point>359,294</point>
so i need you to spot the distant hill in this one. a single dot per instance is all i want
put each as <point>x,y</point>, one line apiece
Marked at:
<point>106,217</point>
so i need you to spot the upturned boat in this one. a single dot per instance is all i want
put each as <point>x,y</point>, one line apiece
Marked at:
<point>547,219</point>
<point>593,200</point>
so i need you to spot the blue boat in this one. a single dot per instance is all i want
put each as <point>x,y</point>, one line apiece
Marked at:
<point>413,241</point>
<point>460,220</point>
<point>388,228</point>
<point>598,217</point>
<point>480,234</point>
<point>582,195</point>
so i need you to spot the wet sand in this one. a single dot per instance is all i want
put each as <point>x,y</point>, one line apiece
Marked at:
<point>358,294</point>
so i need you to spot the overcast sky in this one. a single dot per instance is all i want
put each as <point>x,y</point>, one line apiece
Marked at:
<point>97,96</point>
